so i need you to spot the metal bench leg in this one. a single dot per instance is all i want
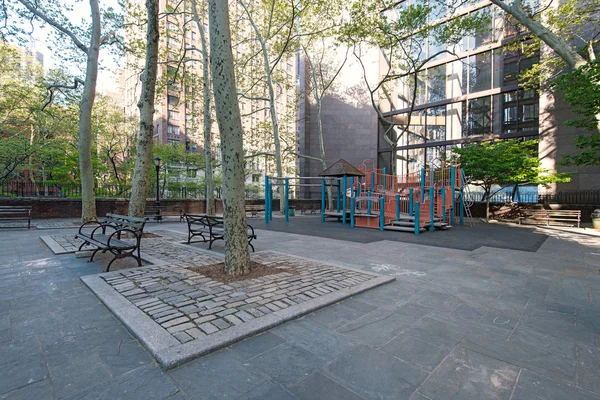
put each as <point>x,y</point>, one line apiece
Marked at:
<point>139,257</point>
<point>93,254</point>
<point>252,247</point>
<point>110,263</point>
<point>82,244</point>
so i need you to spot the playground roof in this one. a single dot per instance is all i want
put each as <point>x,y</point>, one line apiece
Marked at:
<point>340,168</point>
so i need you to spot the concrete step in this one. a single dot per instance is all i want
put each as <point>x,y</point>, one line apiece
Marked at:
<point>401,228</point>
<point>402,223</point>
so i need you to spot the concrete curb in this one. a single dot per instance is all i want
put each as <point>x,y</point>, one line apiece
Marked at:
<point>169,352</point>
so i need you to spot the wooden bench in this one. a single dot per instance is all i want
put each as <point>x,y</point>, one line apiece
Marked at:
<point>106,236</point>
<point>158,212</point>
<point>16,213</point>
<point>549,216</point>
<point>212,226</point>
<point>254,209</point>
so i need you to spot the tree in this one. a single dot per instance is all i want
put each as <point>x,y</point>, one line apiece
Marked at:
<point>143,161</point>
<point>237,257</point>
<point>504,163</point>
<point>208,172</point>
<point>50,13</point>
<point>582,91</point>
<point>275,41</point>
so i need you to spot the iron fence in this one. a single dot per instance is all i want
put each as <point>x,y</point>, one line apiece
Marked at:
<point>580,197</point>
<point>73,190</point>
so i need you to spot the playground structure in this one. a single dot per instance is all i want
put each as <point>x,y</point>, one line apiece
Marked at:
<point>430,199</point>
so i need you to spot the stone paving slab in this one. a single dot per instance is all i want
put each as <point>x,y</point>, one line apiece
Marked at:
<point>152,247</point>
<point>64,244</point>
<point>179,314</point>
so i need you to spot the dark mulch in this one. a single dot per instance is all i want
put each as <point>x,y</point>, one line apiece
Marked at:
<point>217,272</point>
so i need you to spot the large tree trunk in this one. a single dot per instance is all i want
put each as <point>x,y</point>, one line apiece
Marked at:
<point>208,173</point>
<point>237,257</point>
<point>86,172</point>
<point>143,161</point>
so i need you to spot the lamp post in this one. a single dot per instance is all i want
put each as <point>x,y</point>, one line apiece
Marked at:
<point>158,217</point>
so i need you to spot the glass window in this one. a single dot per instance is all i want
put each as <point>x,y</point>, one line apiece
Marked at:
<point>455,118</point>
<point>173,115</point>
<point>457,75</point>
<point>436,154</point>
<point>416,159</point>
<point>510,114</point>
<point>435,47</point>
<point>528,94</point>
<point>480,72</point>
<point>438,9</point>
<point>530,112</point>
<point>416,130</point>
<point>484,36</point>
<point>480,116</point>
<point>173,100</point>
<point>173,130</point>
<point>510,96</point>
<point>421,93</point>
<point>437,83</point>
<point>436,123</point>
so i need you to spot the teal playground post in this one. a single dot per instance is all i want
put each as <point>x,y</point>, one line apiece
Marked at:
<point>344,201</point>
<point>431,208</point>
<point>422,182</point>
<point>287,195</point>
<point>352,204</point>
<point>462,207</point>
<point>373,181</point>
<point>443,194</point>
<point>417,219</point>
<point>397,206</point>
<point>337,200</point>
<point>452,180</point>
<point>383,178</point>
<point>323,201</point>
<point>369,204</point>
<point>381,212</point>
<point>266,199</point>
<point>411,192</point>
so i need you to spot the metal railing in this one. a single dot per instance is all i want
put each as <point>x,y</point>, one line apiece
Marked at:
<point>582,197</point>
<point>73,190</point>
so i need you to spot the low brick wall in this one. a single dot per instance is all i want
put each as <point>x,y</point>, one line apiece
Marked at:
<point>71,208</point>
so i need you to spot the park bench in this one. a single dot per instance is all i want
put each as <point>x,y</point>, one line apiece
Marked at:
<point>16,213</point>
<point>549,216</point>
<point>211,226</point>
<point>254,209</point>
<point>107,236</point>
<point>158,212</point>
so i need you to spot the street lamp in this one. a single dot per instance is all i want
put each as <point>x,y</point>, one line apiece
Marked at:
<point>157,202</point>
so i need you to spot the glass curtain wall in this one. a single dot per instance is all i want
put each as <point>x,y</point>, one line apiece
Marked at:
<point>458,100</point>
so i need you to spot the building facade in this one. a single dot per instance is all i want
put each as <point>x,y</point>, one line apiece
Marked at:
<point>475,94</point>
<point>179,106</point>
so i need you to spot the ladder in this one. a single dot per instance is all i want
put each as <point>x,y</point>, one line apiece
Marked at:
<point>468,199</point>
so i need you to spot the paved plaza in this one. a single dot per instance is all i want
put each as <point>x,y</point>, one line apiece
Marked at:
<point>491,312</point>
